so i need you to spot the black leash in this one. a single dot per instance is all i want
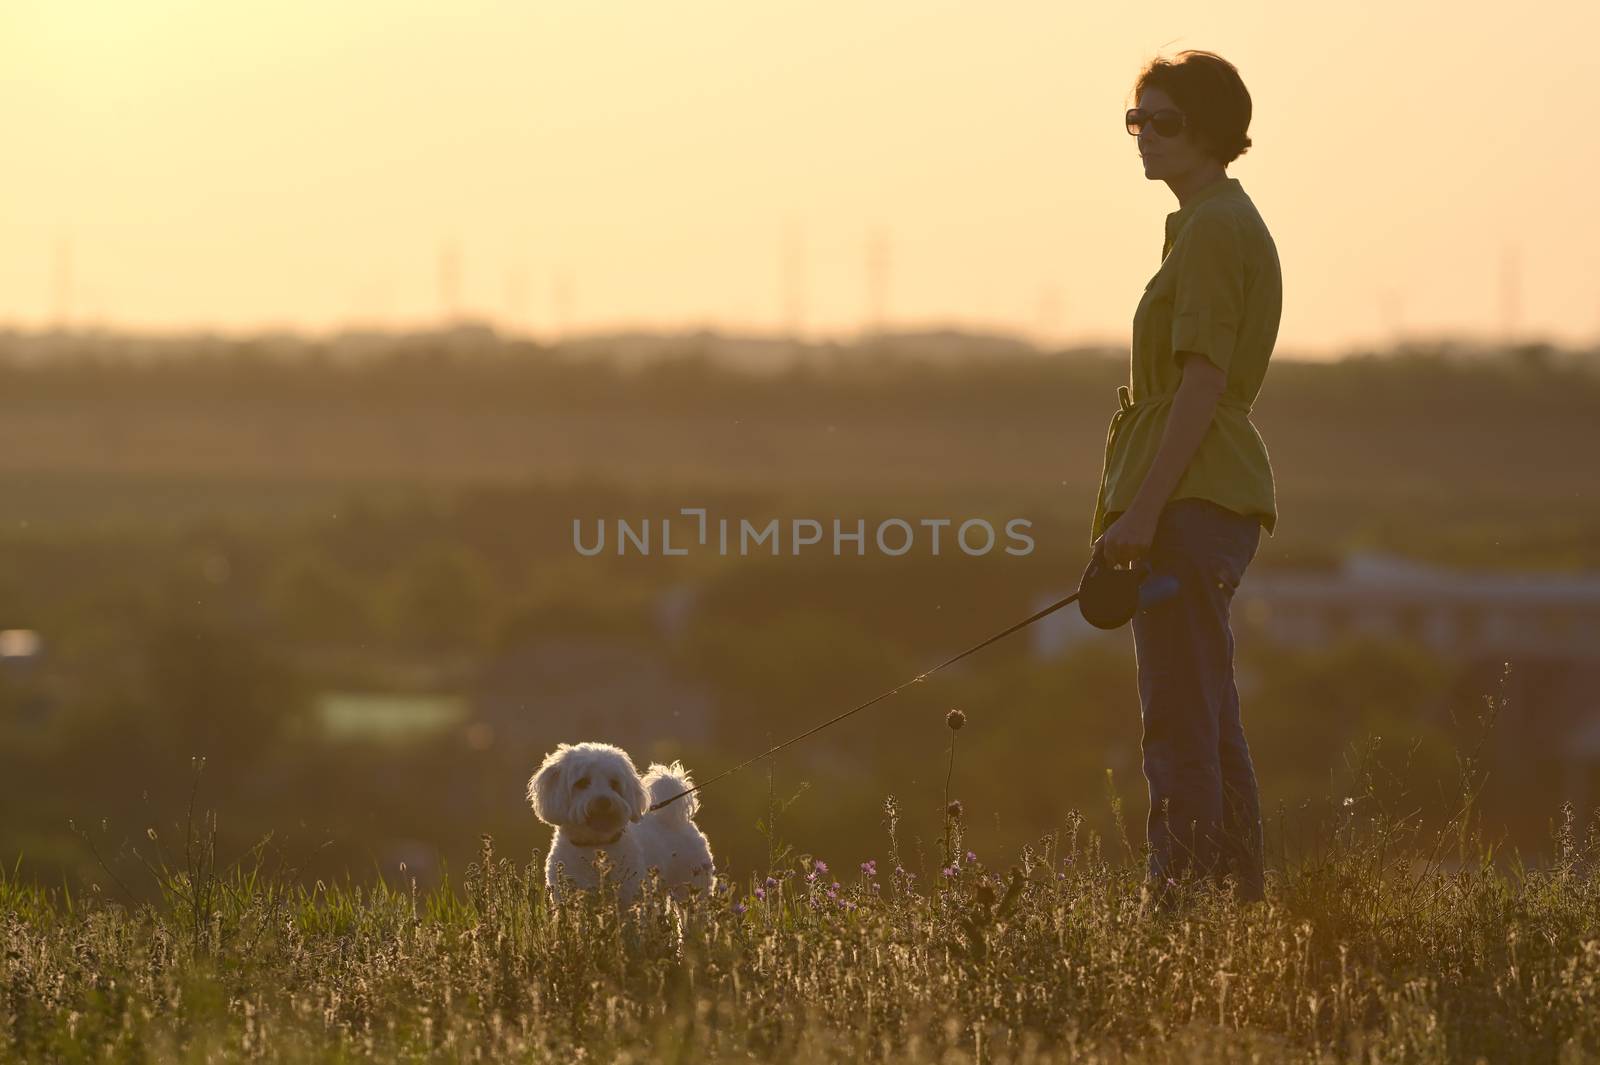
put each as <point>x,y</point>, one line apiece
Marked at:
<point>1052,608</point>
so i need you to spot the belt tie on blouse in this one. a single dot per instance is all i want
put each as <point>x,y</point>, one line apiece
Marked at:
<point>1126,404</point>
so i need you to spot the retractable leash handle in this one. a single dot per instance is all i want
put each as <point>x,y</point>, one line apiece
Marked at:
<point>1110,595</point>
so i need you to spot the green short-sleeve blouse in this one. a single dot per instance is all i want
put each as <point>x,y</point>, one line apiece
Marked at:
<point>1218,293</point>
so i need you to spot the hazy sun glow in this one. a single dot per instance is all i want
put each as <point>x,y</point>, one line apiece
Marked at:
<point>560,165</point>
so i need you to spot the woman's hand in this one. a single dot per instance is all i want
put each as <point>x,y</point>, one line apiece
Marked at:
<point>1129,537</point>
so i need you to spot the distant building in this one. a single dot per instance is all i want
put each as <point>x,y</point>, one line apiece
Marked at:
<point>20,647</point>
<point>1458,614</point>
<point>22,656</point>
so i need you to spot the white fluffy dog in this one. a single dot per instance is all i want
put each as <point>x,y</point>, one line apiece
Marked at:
<point>598,803</point>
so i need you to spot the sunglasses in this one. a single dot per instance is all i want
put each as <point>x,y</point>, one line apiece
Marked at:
<point>1167,123</point>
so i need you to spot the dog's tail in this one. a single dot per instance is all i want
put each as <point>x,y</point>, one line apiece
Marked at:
<point>665,781</point>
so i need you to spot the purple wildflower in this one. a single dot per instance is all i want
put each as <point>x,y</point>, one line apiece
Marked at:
<point>820,866</point>
<point>738,909</point>
<point>971,857</point>
<point>761,893</point>
<point>771,883</point>
<point>869,867</point>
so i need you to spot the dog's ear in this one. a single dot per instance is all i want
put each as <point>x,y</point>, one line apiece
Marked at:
<point>640,795</point>
<point>545,787</point>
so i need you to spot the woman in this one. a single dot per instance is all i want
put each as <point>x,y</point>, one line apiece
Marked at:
<point>1187,485</point>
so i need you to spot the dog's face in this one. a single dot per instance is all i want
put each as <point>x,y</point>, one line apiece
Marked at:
<point>592,786</point>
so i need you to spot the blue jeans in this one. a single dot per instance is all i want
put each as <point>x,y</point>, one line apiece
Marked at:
<point>1205,807</point>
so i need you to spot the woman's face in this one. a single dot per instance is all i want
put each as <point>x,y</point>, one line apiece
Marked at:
<point>1166,157</point>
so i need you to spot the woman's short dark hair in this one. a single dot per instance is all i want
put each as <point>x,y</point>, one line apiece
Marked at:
<point>1207,88</point>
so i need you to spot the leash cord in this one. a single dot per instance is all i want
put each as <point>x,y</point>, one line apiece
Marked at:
<point>1052,608</point>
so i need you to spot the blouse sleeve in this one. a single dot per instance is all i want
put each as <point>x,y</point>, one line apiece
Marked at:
<point>1209,302</point>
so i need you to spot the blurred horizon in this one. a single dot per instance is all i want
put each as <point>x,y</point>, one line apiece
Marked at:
<point>751,350</point>
<point>822,171</point>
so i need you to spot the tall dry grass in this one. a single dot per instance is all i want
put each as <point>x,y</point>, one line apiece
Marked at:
<point>1379,943</point>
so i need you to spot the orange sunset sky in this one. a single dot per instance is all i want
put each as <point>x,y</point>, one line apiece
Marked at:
<point>556,165</point>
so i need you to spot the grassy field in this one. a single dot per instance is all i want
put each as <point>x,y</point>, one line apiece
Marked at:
<point>1375,945</point>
